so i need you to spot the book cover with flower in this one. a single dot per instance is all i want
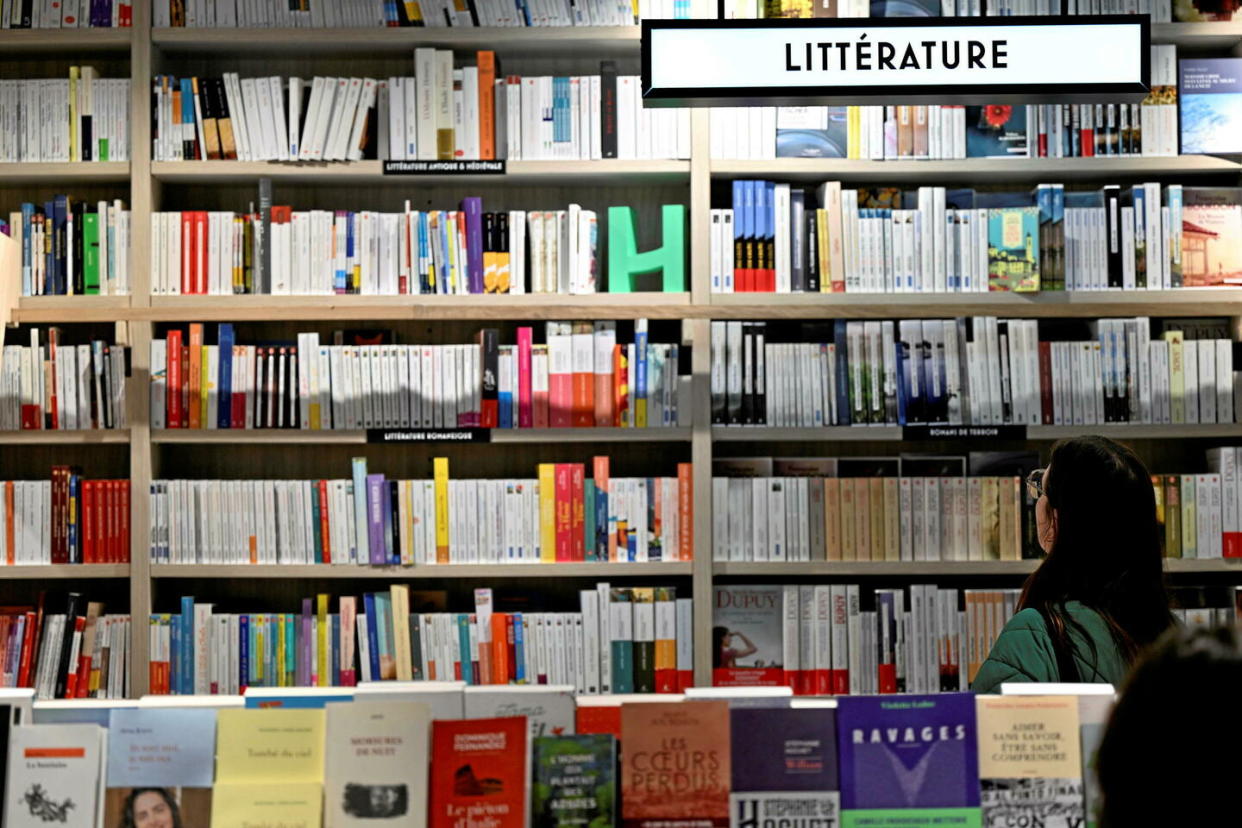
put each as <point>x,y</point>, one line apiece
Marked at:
<point>996,131</point>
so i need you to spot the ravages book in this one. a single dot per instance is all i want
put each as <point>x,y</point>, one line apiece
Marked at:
<point>908,760</point>
<point>747,636</point>
<point>1210,94</point>
<point>1013,249</point>
<point>575,784</point>
<point>1030,764</point>
<point>811,132</point>
<point>996,131</point>
<point>675,765</point>
<point>1211,236</point>
<point>376,764</point>
<point>55,776</point>
<point>478,773</point>
<point>784,763</point>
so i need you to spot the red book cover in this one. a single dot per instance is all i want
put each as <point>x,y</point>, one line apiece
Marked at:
<point>1086,142</point>
<point>478,774</point>
<point>324,530</point>
<point>577,513</point>
<point>1045,382</point>
<point>200,251</point>
<point>60,549</point>
<point>237,412</point>
<point>110,525</point>
<point>53,401</point>
<point>173,372</point>
<point>122,487</point>
<point>675,767</point>
<point>187,252</point>
<point>88,521</point>
<point>101,521</point>
<point>748,636</point>
<point>525,401</point>
<point>9,526</point>
<point>603,718</point>
<point>500,647</point>
<point>564,520</point>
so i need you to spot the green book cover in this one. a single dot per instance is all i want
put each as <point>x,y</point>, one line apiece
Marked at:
<point>90,253</point>
<point>588,522</point>
<point>575,781</point>
<point>1013,249</point>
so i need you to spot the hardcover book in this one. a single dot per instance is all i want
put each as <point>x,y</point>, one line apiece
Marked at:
<point>479,773</point>
<point>907,758</point>
<point>1013,249</point>
<point>376,764</point>
<point>675,765</point>
<point>55,776</point>
<point>1030,765</point>
<point>1211,236</point>
<point>1210,95</point>
<point>784,762</point>
<point>996,131</point>
<point>747,626</point>
<point>575,784</point>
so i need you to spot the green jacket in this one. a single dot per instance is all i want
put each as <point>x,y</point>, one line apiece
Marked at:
<point>1024,652</point>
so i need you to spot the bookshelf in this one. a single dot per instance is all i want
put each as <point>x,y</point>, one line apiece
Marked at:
<point>152,186</point>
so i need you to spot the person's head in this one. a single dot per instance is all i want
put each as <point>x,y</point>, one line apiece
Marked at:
<point>1095,517</point>
<point>721,638</point>
<point>1178,705</point>
<point>151,808</point>
<point>376,801</point>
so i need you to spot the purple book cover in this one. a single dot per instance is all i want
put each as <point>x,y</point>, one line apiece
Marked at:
<point>375,519</point>
<point>305,644</point>
<point>472,206</point>
<point>908,752</point>
<point>784,749</point>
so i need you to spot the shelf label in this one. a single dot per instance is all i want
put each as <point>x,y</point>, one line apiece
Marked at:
<point>839,61</point>
<point>444,167</point>
<point>963,432</point>
<point>429,435</point>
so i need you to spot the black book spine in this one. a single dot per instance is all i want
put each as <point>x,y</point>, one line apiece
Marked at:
<point>491,373</point>
<point>79,233</point>
<point>1112,218</point>
<point>416,647</point>
<point>108,379</point>
<point>760,378</point>
<point>748,374</point>
<point>263,249</point>
<point>812,254</point>
<point>394,538</point>
<point>608,113</point>
<point>72,610</point>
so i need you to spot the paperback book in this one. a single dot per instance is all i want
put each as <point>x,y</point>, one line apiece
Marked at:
<point>784,763</point>
<point>575,781</point>
<point>675,765</point>
<point>746,636</point>
<point>479,777</point>
<point>1030,765</point>
<point>1210,94</point>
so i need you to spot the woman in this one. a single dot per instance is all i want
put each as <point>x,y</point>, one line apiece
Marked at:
<point>722,647</point>
<point>151,808</point>
<point>1098,599</point>
<point>1179,706</point>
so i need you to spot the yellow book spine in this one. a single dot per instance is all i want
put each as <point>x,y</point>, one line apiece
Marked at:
<point>547,512</point>
<point>325,668</point>
<point>441,474</point>
<point>205,386</point>
<point>260,638</point>
<point>825,261</point>
<point>73,114</point>
<point>1177,376</point>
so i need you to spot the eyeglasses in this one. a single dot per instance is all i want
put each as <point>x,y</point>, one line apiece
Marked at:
<point>1035,483</point>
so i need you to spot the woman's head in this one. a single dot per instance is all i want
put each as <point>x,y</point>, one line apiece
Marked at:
<point>721,638</point>
<point>151,808</point>
<point>1096,520</point>
<point>1180,701</point>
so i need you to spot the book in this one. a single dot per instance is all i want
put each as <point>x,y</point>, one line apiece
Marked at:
<point>784,762</point>
<point>996,131</point>
<point>55,776</point>
<point>269,747</point>
<point>548,710</point>
<point>161,748</point>
<point>811,132</point>
<point>1030,765</point>
<point>574,781</point>
<point>479,773</point>
<point>747,624</point>
<point>1211,234</point>
<point>1210,104</point>
<point>1013,249</point>
<point>376,764</point>
<point>659,741</point>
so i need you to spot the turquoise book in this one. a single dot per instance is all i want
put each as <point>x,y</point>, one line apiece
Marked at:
<point>575,781</point>
<point>1013,249</point>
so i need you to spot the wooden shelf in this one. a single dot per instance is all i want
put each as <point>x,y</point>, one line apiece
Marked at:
<point>1198,36</point>
<point>1203,565</point>
<point>445,571</point>
<point>69,309</point>
<point>527,307</point>
<point>905,569</point>
<point>1075,303</point>
<point>27,41</point>
<point>973,170</point>
<point>68,172</point>
<point>63,571</point>
<point>589,41</point>
<point>887,433</point>
<point>48,437</point>
<point>608,172</point>
<point>332,437</point>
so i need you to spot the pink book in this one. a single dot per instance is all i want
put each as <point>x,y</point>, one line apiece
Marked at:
<point>526,417</point>
<point>539,384</point>
<point>348,619</point>
<point>560,375</point>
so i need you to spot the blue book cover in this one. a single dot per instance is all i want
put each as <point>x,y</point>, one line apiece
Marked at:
<point>519,648</point>
<point>350,285</point>
<point>377,552</point>
<point>225,382</point>
<point>187,644</point>
<point>335,666</point>
<point>27,259</point>
<point>784,761</point>
<point>243,651</point>
<point>463,648</point>
<point>386,488</point>
<point>600,540</point>
<point>296,701</point>
<point>368,603</point>
<point>908,760</point>
<point>902,391</point>
<point>161,748</point>
<point>174,655</point>
<point>1209,95</point>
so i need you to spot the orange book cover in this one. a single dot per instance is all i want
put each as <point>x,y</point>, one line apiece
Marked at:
<point>196,373</point>
<point>685,512</point>
<point>325,531</point>
<point>675,767</point>
<point>620,386</point>
<point>487,105</point>
<point>500,648</point>
<point>122,487</point>
<point>478,773</point>
<point>564,510</point>
<point>577,513</point>
<point>604,718</point>
<point>8,522</point>
<point>605,541</point>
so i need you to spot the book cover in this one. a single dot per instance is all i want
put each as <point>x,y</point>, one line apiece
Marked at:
<point>1203,11</point>
<point>575,782</point>
<point>1030,763</point>
<point>784,763</point>
<point>1209,93</point>
<point>1013,249</point>
<point>548,709</point>
<point>996,131</point>
<point>811,132</point>
<point>675,767</point>
<point>908,758</point>
<point>269,746</point>
<point>161,748</point>
<point>478,773</point>
<point>54,776</point>
<point>376,764</point>
<point>1211,236</point>
<point>244,805</point>
<point>747,636</point>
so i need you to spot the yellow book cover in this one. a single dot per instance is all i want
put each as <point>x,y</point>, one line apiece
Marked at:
<point>401,631</point>
<point>1030,760</point>
<point>862,519</point>
<point>848,550</point>
<point>547,512</point>
<point>665,633</point>
<point>323,630</point>
<point>1008,516</point>
<point>851,116</point>
<point>1177,376</point>
<point>247,805</point>
<point>260,638</point>
<point>274,745</point>
<point>441,473</point>
<point>989,520</point>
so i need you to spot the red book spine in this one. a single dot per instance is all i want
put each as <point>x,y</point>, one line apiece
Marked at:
<point>237,413</point>
<point>53,399</point>
<point>122,487</point>
<point>71,680</point>
<point>101,508</point>
<point>888,678</point>
<point>110,520</point>
<point>1086,143</point>
<point>324,531</point>
<point>56,517</point>
<point>187,252</point>
<point>685,512</point>
<point>511,643</point>
<point>88,517</point>
<point>1045,382</point>
<point>564,504</point>
<point>173,373</point>
<point>577,517</point>
<point>28,645</point>
<point>200,251</point>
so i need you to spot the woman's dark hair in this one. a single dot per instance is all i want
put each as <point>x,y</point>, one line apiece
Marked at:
<point>1178,706</point>
<point>127,815</point>
<point>718,637</point>
<point>1107,549</point>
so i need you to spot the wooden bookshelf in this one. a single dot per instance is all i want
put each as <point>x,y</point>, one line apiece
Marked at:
<point>150,186</point>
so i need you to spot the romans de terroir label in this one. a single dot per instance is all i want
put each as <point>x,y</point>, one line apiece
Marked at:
<point>429,435</point>
<point>444,167</point>
<point>963,432</point>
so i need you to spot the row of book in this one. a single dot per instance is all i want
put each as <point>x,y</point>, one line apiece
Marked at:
<point>560,516</point>
<point>279,251</point>
<point>77,653</point>
<point>1161,11</point>
<point>579,377</point>
<point>428,13</point>
<point>1202,513</point>
<point>72,247</point>
<point>82,118</point>
<point>814,518</point>
<point>944,240</point>
<point>975,371</point>
<point>62,387</point>
<point>819,639</point>
<point>623,640</point>
<point>66,520</point>
<point>72,14</point>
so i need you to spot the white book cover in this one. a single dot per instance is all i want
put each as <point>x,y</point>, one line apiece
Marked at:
<point>55,776</point>
<point>375,767</point>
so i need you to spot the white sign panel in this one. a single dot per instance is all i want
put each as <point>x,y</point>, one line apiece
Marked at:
<point>899,60</point>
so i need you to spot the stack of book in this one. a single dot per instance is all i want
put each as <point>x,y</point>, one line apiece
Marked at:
<point>80,118</point>
<point>66,520</point>
<point>560,516</point>
<point>70,247</point>
<point>62,387</point>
